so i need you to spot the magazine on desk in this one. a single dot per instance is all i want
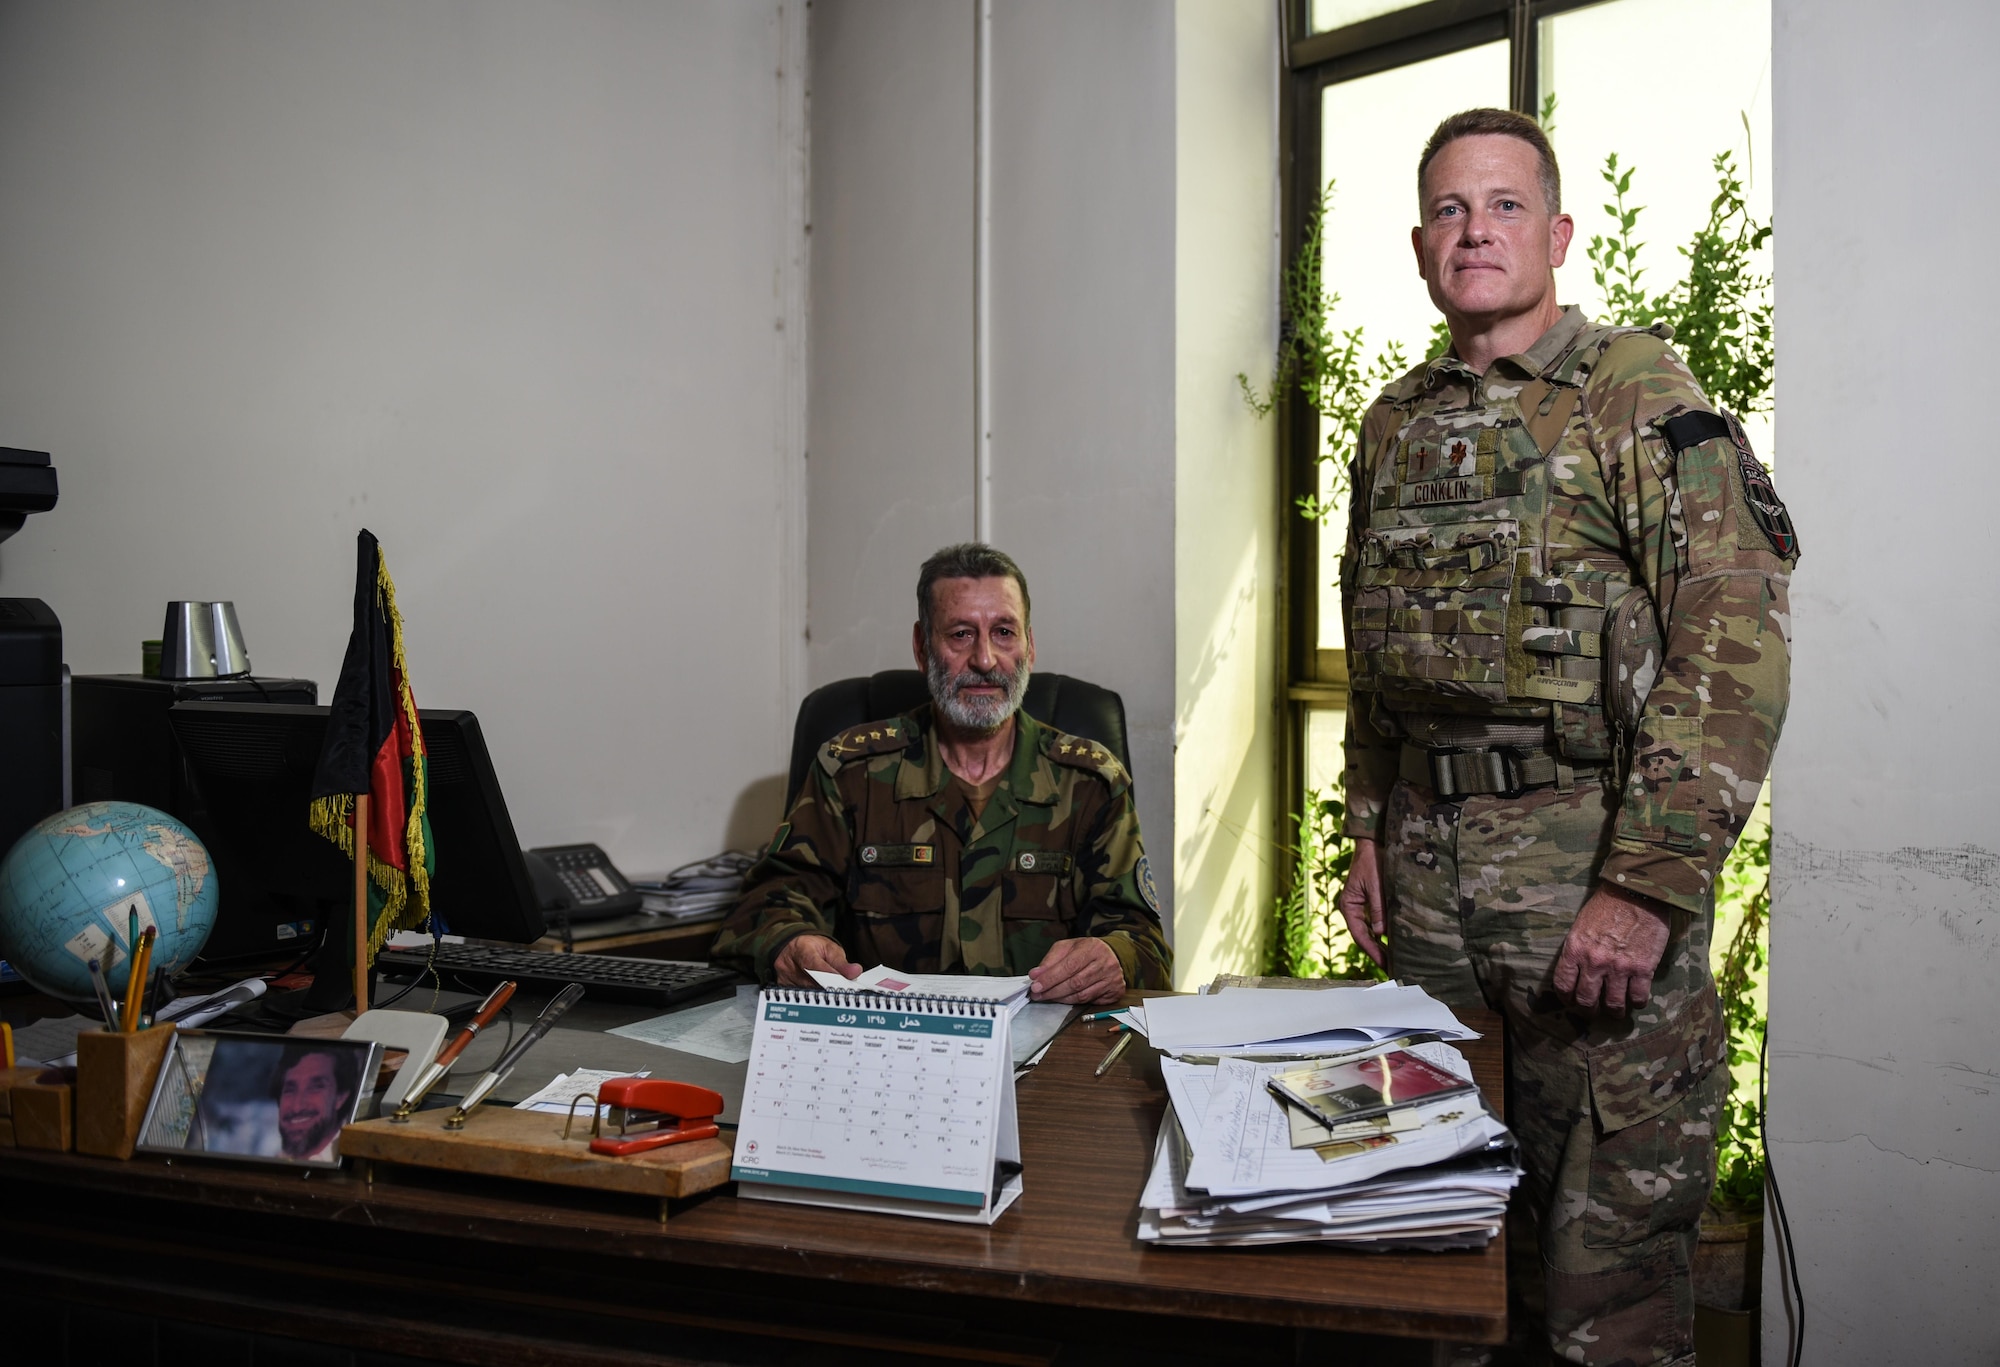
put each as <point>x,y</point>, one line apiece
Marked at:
<point>881,1102</point>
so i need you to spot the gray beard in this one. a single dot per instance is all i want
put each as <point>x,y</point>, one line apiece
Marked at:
<point>976,714</point>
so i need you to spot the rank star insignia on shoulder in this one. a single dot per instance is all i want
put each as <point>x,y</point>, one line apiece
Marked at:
<point>1079,753</point>
<point>873,739</point>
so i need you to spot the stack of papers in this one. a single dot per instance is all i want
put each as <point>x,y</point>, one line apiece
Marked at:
<point>1236,1164</point>
<point>706,887</point>
<point>1268,1022</point>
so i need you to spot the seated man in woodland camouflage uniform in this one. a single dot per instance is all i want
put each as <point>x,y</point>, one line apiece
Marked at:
<point>965,837</point>
<point>1565,589</point>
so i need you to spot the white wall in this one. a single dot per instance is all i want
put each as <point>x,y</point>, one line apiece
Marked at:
<point>892,342</point>
<point>1226,714</point>
<point>517,286</point>
<point>1080,335</point>
<point>1884,1118</point>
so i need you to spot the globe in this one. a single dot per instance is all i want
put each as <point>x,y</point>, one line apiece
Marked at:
<point>69,887</point>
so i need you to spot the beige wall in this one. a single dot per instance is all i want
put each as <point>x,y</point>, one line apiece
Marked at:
<point>514,285</point>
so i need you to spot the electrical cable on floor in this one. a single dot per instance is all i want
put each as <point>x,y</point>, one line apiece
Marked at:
<point>1795,1345</point>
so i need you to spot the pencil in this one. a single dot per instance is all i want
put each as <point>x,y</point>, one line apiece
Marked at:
<point>1100,1015</point>
<point>135,979</point>
<point>1112,1057</point>
<point>6,1045</point>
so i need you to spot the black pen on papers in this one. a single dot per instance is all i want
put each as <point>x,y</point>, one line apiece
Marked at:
<point>551,1013</point>
<point>1112,1057</point>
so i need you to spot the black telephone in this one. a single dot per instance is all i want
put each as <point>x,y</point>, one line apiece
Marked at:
<point>581,880</point>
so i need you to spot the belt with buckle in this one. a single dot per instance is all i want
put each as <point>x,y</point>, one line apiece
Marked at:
<point>1500,770</point>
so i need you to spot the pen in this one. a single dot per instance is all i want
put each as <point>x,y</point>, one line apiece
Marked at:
<point>1112,1057</point>
<point>495,1002</point>
<point>135,979</point>
<point>545,1022</point>
<point>131,952</point>
<point>103,988</point>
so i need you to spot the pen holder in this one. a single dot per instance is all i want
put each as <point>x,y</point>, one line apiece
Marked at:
<point>35,1114</point>
<point>114,1081</point>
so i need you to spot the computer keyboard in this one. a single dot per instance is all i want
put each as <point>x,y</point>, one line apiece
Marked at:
<point>605,977</point>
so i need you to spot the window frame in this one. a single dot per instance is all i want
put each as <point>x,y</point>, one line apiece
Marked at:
<point>1313,679</point>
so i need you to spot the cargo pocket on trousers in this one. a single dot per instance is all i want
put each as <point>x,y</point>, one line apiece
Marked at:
<point>1656,1100</point>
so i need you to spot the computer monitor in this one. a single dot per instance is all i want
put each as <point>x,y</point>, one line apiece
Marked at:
<point>254,764</point>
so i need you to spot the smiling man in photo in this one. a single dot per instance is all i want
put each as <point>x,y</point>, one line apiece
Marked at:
<point>315,1094</point>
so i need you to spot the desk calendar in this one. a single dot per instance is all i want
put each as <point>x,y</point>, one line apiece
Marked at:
<point>896,1104</point>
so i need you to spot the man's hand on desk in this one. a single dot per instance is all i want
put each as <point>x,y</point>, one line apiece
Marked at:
<point>805,952</point>
<point>1082,972</point>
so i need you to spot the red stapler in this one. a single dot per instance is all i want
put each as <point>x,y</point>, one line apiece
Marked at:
<point>651,1113</point>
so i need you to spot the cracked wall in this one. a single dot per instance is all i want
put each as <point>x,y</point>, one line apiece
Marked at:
<point>1884,1118</point>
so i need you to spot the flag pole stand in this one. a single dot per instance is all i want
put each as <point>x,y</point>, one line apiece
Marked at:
<point>360,903</point>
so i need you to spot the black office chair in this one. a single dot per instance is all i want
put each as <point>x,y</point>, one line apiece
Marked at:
<point>1081,709</point>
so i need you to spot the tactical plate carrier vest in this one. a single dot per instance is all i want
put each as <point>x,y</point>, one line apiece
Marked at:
<point>1473,600</point>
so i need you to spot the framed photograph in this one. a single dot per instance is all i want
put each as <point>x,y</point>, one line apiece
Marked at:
<point>266,1098</point>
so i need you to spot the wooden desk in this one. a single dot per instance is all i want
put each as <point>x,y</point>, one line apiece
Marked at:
<point>525,1256</point>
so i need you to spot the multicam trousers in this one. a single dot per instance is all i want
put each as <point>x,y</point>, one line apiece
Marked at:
<point>1615,1114</point>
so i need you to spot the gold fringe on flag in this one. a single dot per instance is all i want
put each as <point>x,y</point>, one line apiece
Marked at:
<point>406,902</point>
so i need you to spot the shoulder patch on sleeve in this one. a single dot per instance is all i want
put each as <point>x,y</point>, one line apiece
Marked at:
<point>1078,753</point>
<point>875,738</point>
<point>1767,510</point>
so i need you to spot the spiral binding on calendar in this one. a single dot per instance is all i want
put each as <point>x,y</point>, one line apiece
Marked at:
<point>930,1005</point>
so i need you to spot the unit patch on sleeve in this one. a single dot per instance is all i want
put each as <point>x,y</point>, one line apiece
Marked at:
<point>1146,888</point>
<point>1765,506</point>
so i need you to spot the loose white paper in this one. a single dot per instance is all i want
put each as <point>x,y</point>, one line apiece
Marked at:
<point>719,1030</point>
<point>978,987</point>
<point>565,1088</point>
<point>1252,1015</point>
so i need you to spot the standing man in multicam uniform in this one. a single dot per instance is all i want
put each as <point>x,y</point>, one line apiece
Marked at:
<point>1565,588</point>
<point>965,837</point>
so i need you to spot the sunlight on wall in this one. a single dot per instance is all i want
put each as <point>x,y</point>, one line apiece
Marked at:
<point>1224,860</point>
<point>1225,490</point>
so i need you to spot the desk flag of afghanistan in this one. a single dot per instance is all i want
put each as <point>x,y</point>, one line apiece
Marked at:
<point>375,745</point>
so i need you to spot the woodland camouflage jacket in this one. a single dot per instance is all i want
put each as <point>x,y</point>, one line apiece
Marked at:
<point>1641,485</point>
<point>881,850</point>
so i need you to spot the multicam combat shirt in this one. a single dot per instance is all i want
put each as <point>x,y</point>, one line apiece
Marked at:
<point>1575,537</point>
<point>882,851</point>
